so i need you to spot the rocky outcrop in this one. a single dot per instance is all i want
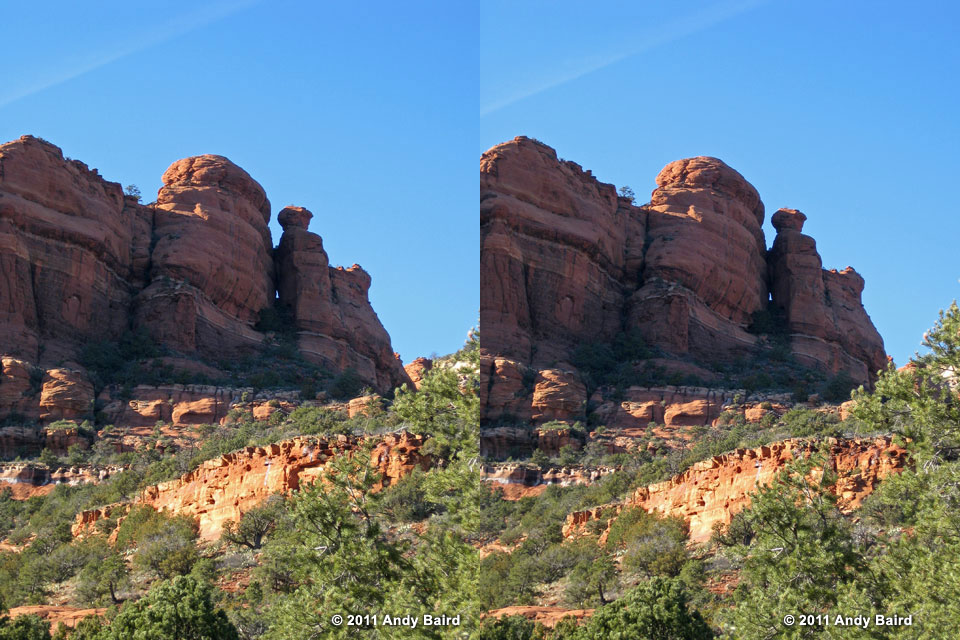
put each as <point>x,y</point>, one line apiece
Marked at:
<point>518,481</point>
<point>715,490</point>
<point>56,615</point>
<point>65,394</point>
<point>500,443</point>
<point>73,252</point>
<point>211,263</point>
<point>81,263</point>
<point>829,327</point>
<point>224,488</point>
<point>28,479</point>
<point>565,262</point>
<point>547,616</point>
<point>417,369</point>
<point>336,326</point>
<point>26,440</point>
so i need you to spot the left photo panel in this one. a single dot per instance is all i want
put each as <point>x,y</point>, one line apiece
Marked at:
<point>239,297</point>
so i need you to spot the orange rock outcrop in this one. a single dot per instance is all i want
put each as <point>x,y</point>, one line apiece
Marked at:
<point>715,490</point>
<point>518,481</point>
<point>224,488</point>
<point>547,616</point>
<point>56,615</point>
<point>29,479</point>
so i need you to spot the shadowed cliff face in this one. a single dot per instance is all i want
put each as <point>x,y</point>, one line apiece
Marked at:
<point>81,262</point>
<point>565,261</point>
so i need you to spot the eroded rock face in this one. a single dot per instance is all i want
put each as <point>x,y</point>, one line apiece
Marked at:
<point>418,369</point>
<point>224,488</point>
<point>65,394</point>
<point>521,481</point>
<point>547,616</point>
<point>28,479</point>
<point>715,490</point>
<point>211,265</point>
<point>829,327</point>
<point>336,325</point>
<point>704,268</point>
<point>81,263</point>
<point>73,252</point>
<point>565,261</point>
<point>56,615</point>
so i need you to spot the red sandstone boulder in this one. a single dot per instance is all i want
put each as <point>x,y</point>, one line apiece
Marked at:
<point>65,394</point>
<point>558,395</point>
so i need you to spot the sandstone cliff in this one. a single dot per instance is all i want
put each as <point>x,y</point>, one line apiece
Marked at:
<point>565,261</point>
<point>224,488</point>
<point>80,262</point>
<point>715,490</point>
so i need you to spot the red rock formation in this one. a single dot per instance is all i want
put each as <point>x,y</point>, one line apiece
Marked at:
<point>547,616</point>
<point>224,488</point>
<point>521,481</point>
<point>28,479</point>
<point>717,489</point>
<point>73,251</point>
<point>80,263</point>
<point>215,296</point>
<point>564,262</point>
<point>829,327</point>
<point>554,252</point>
<point>336,325</point>
<point>56,615</point>
<point>558,395</point>
<point>65,394</point>
<point>704,270</point>
<point>418,369</point>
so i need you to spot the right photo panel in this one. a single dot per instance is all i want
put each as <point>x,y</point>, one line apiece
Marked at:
<point>697,419</point>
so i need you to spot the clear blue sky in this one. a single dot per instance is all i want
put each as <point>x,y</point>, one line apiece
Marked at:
<point>362,112</point>
<point>848,111</point>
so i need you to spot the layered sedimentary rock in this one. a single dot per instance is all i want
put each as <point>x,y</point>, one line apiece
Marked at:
<point>81,263</point>
<point>704,269</point>
<point>565,261</point>
<point>829,327</point>
<point>500,443</point>
<point>336,326</point>
<point>418,369</point>
<point>211,264</point>
<point>28,440</point>
<point>73,252</point>
<point>56,615</point>
<point>28,479</point>
<point>224,488</point>
<point>715,490</point>
<point>521,481</point>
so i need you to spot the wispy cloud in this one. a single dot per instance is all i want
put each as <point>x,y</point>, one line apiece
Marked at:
<point>669,32</point>
<point>138,42</point>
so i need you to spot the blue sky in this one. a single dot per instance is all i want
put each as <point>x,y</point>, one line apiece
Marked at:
<point>847,111</point>
<point>362,112</point>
